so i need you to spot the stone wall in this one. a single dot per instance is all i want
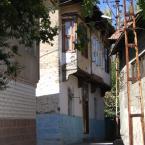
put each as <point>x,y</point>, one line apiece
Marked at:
<point>47,104</point>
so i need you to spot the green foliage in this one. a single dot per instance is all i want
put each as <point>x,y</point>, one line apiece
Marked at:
<point>141,4</point>
<point>82,39</point>
<point>87,7</point>
<point>110,97</point>
<point>21,20</point>
<point>25,21</point>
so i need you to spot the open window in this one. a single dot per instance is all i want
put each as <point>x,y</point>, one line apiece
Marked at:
<point>68,34</point>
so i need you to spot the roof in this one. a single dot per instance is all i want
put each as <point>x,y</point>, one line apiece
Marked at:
<point>100,23</point>
<point>116,34</point>
<point>119,34</point>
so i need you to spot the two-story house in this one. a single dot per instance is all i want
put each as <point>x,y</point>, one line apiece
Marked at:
<point>74,76</point>
<point>134,87</point>
<point>18,101</point>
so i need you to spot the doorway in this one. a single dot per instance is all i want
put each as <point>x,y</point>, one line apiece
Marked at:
<point>85,107</point>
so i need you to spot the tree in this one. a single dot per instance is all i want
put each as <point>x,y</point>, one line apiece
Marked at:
<point>141,4</point>
<point>110,97</point>
<point>25,21</point>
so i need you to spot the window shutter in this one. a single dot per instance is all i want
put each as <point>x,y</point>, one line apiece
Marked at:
<point>93,48</point>
<point>97,52</point>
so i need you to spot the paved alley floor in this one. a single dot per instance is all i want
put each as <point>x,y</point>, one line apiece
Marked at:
<point>95,144</point>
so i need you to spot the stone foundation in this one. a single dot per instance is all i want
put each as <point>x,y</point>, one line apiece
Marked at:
<point>17,132</point>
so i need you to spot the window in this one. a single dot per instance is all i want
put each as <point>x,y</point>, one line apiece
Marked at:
<point>96,58</point>
<point>93,48</point>
<point>68,34</point>
<point>106,60</point>
<point>97,52</point>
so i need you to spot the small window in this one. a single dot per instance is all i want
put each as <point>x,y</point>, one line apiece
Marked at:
<point>82,39</point>
<point>134,71</point>
<point>68,34</point>
<point>96,51</point>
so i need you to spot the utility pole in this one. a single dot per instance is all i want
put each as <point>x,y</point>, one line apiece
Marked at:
<point>130,15</point>
<point>117,5</point>
<point>117,18</point>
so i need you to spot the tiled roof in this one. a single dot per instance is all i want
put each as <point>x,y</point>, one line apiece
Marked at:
<point>116,35</point>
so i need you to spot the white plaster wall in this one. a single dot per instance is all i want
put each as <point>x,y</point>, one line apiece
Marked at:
<point>99,71</point>
<point>135,108</point>
<point>99,105</point>
<point>72,83</point>
<point>84,63</point>
<point>77,100</point>
<point>49,64</point>
<point>47,104</point>
<point>18,101</point>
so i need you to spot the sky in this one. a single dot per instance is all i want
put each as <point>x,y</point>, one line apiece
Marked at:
<point>103,6</point>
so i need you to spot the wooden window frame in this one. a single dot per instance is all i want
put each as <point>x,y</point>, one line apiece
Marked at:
<point>72,35</point>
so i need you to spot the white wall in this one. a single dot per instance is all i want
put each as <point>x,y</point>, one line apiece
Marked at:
<point>77,100</point>
<point>99,105</point>
<point>73,84</point>
<point>135,108</point>
<point>49,64</point>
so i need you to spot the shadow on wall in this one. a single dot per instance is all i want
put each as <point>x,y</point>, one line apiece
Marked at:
<point>118,142</point>
<point>110,129</point>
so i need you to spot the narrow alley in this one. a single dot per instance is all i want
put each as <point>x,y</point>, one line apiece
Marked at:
<point>72,72</point>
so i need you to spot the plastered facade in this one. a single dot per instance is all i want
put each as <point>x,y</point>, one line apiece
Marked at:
<point>53,90</point>
<point>135,109</point>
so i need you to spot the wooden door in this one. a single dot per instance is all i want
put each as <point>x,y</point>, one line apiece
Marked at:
<point>85,106</point>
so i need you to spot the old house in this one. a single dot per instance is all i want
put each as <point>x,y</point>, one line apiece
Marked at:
<point>18,103</point>
<point>135,105</point>
<point>74,76</point>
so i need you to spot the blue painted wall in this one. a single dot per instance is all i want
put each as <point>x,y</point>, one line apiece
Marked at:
<point>97,129</point>
<point>57,129</point>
